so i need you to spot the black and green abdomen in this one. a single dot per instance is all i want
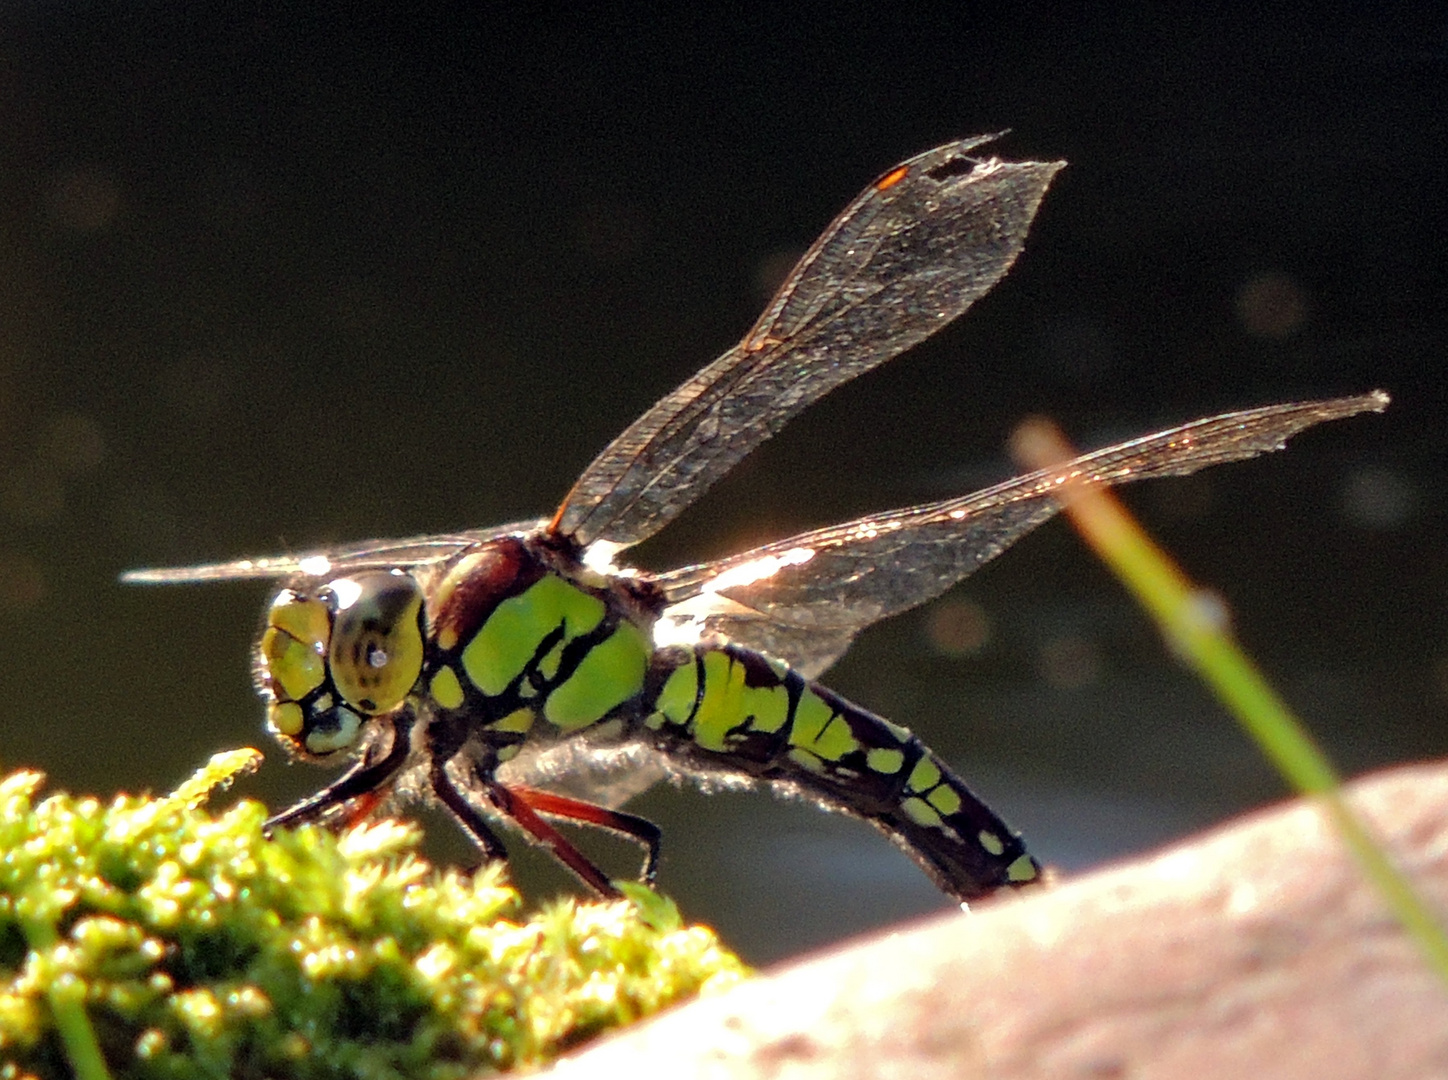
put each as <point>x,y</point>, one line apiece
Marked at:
<point>728,709</point>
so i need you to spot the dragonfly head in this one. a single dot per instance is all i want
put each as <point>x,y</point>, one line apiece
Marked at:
<point>333,656</point>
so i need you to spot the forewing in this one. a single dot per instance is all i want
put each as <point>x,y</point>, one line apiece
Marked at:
<point>912,252</point>
<point>803,599</point>
<point>402,554</point>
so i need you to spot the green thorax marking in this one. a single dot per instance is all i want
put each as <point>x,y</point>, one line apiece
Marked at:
<point>610,673</point>
<point>557,645</point>
<point>510,638</point>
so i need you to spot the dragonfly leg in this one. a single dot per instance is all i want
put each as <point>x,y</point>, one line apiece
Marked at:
<point>642,830</point>
<point>466,814</point>
<point>364,781</point>
<point>517,807</point>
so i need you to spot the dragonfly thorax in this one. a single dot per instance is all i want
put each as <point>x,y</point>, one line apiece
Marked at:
<point>517,627</point>
<point>333,656</point>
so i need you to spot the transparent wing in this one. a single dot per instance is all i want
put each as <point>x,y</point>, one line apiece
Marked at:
<point>803,599</point>
<point>417,551</point>
<point>912,252</point>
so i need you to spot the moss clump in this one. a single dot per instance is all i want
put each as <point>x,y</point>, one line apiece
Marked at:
<point>154,938</point>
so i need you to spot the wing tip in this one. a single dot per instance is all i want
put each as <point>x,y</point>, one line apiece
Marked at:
<point>1374,401</point>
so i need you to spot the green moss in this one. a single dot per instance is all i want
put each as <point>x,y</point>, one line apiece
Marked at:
<point>155,938</point>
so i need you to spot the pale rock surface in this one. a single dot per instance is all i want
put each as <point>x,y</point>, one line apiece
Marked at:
<point>1256,950</point>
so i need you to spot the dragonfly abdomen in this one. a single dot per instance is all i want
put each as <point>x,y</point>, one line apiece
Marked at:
<point>723,708</point>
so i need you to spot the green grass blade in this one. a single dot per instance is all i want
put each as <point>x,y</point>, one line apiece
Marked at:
<point>1196,625</point>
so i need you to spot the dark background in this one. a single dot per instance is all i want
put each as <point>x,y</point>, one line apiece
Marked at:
<point>272,279</point>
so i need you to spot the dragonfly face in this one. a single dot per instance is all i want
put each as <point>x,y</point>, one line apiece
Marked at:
<point>466,666</point>
<point>332,657</point>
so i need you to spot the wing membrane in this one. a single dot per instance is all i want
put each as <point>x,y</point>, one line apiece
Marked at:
<point>803,599</point>
<point>912,252</point>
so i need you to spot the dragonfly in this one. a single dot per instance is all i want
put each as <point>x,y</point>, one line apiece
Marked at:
<point>439,667</point>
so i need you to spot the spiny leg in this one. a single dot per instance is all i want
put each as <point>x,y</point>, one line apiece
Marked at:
<point>466,814</point>
<point>516,807</point>
<point>364,779</point>
<point>642,830</point>
<point>526,819</point>
<point>523,805</point>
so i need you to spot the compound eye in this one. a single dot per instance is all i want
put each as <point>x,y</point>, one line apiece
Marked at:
<point>376,649</point>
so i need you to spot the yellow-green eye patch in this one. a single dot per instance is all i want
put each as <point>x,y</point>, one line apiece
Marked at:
<point>295,669</point>
<point>304,618</point>
<point>286,718</point>
<point>294,645</point>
